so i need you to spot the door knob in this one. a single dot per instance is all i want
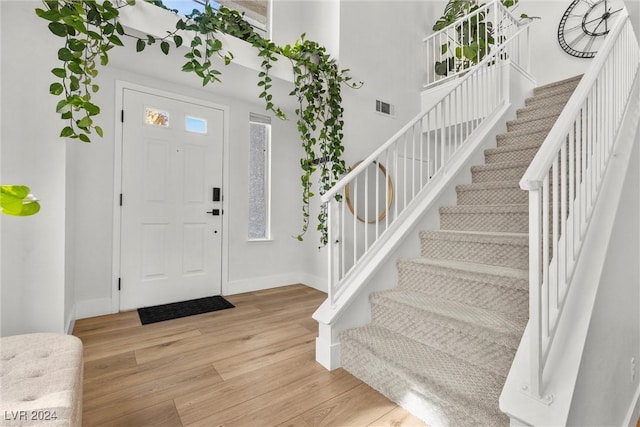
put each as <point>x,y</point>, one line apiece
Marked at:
<point>215,212</point>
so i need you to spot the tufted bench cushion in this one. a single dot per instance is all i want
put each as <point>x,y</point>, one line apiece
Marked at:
<point>41,380</point>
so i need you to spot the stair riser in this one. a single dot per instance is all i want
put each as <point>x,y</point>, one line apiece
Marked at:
<point>510,140</point>
<point>451,339</point>
<point>500,294</point>
<point>546,122</point>
<point>503,196</point>
<point>540,110</point>
<point>493,175</point>
<point>490,253</point>
<point>560,98</point>
<point>511,156</point>
<point>512,222</point>
<point>568,85</point>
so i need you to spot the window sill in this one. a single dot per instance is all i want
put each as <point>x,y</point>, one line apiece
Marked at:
<point>260,241</point>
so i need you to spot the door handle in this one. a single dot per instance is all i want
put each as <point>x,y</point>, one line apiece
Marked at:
<point>215,212</point>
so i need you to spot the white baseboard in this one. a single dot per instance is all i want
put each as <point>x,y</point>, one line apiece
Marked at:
<point>313,281</point>
<point>267,282</point>
<point>93,308</point>
<point>70,321</point>
<point>101,306</point>
<point>634,410</point>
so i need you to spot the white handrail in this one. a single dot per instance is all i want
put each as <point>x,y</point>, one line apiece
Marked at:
<point>442,45</point>
<point>358,169</point>
<point>401,170</point>
<point>564,181</point>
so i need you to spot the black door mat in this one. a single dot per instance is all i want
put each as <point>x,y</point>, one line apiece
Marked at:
<point>175,310</point>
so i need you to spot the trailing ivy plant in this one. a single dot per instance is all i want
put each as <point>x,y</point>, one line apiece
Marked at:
<point>474,38</point>
<point>91,28</point>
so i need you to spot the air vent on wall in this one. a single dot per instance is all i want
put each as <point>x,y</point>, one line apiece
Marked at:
<point>385,108</point>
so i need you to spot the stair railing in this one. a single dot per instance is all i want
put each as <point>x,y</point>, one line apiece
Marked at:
<point>452,51</point>
<point>402,169</point>
<point>564,180</point>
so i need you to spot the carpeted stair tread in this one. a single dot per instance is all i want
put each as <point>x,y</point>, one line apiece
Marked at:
<point>507,218</point>
<point>571,82</point>
<point>539,122</point>
<point>559,97</point>
<point>540,109</point>
<point>481,287</point>
<point>504,249</point>
<point>525,151</point>
<point>443,390</point>
<point>499,328</point>
<point>523,136</point>
<point>491,193</point>
<point>442,341</point>
<point>473,268</point>
<point>501,171</point>
<point>484,347</point>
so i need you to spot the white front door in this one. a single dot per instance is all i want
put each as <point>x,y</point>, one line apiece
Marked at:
<point>171,232</point>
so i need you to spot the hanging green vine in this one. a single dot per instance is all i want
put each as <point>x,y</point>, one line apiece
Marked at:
<point>91,28</point>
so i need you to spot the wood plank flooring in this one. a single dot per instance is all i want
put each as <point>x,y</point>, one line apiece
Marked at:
<point>252,365</point>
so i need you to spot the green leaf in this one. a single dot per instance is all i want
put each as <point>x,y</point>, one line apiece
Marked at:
<point>84,138</point>
<point>75,68</point>
<point>56,89</point>
<point>58,28</point>
<point>49,15</point>
<point>115,40</point>
<point>17,200</point>
<point>66,132</point>
<point>177,40</point>
<point>92,109</point>
<point>99,131</point>
<point>65,55</point>
<point>140,45</point>
<point>84,122</point>
<point>63,106</point>
<point>59,72</point>
<point>76,45</point>
<point>164,47</point>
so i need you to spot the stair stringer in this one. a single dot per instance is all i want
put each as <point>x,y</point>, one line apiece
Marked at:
<point>353,309</point>
<point>564,364</point>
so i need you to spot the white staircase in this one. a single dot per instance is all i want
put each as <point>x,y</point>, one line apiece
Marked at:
<point>467,335</point>
<point>442,342</point>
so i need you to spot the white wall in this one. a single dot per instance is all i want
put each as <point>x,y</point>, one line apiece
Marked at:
<point>33,248</point>
<point>41,287</point>
<point>549,63</point>
<point>380,43</point>
<point>605,387</point>
<point>319,20</point>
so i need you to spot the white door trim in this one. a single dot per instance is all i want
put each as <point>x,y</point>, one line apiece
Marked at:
<point>117,180</point>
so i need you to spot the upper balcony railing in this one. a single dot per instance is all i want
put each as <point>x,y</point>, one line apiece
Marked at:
<point>455,49</point>
<point>564,181</point>
<point>381,190</point>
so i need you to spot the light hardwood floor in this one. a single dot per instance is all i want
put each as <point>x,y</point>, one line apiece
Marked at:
<point>252,365</point>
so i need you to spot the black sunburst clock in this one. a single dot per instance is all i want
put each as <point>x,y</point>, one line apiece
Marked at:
<point>585,24</point>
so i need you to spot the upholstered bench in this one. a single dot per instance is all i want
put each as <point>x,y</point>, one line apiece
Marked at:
<point>41,380</point>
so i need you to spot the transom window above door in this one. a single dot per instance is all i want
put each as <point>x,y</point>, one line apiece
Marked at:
<point>256,12</point>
